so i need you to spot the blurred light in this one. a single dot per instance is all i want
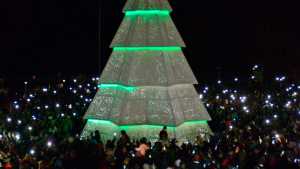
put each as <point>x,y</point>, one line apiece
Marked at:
<point>62,114</point>
<point>25,82</point>
<point>46,106</point>
<point>19,122</point>
<point>74,114</point>
<point>236,79</point>
<point>45,90</point>
<point>275,116</point>
<point>267,121</point>
<point>17,136</point>
<point>49,144</point>
<point>54,91</point>
<point>38,107</point>
<point>28,99</point>
<point>1,136</point>
<point>70,106</point>
<point>17,106</point>
<point>29,128</point>
<point>201,96</point>
<point>74,80</point>
<point>32,152</point>
<point>57,105</point>
<point>219,81</point>
<point>31,95</point>
<point>8,119</point>
<point>80,86</point>
<point>33,117</point>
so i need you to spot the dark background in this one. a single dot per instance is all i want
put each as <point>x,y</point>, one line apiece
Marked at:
<point>50,36</point>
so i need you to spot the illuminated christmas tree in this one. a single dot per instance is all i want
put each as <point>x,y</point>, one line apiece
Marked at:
<point>147,82</point>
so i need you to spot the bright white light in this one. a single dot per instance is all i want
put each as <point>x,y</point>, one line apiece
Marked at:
<point>17,106</point>
<point>64,81</point>
<point>217,97</point>
<point>17,136</point>
<point>45,90</point>
<point>15,102</point>
<point>1,136</point>
<point>207,105</point>
<point>31,95</point>
<point>57,105</point>
<point>232,97</point>
<point>88,85</point>
<point>252,77</point>
<point>19,122</point>
<point>38,107</point>
<point>28,99</point>
<point>277,135</point>
<point>74,114</point>
<point>70,106</point>
<point>32,152</point>
<point>33,117</point>
<point>201,96</point>
<point>62,114</point>
<point>93,79</point>
<point>29,128</point>
<point>236,79</point>
<point>74,80</point>
<point>49,143</point>
<point>81,96</point>
<point>255,67</point>
<point>230,127</point>
<point>80,86</point>
<point>74,91</point>
<point>275,116</point>
<point>54,91</point>
<point>267,121</point>
<point>8,119</point>
<point>219,82</point>
<point>46,106</point>
<point>25,82</point>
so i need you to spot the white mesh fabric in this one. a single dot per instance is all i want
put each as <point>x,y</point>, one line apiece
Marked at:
<point>148,68</point>
<point>147,5</point>
<point>148,105</point>
<point>147,30</point>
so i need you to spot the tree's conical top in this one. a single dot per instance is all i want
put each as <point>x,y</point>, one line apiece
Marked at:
<point>133,5</point>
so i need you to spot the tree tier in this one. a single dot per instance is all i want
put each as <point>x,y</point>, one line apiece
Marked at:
<point>146,31</point>
<point>147,68</point>
<point>150,105</point>
<point>133,5</point>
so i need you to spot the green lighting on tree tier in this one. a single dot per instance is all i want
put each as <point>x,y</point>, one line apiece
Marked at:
<point>147,12</point>
<point>117,87</point>
<point>164,48</point>
<point>127,127</point>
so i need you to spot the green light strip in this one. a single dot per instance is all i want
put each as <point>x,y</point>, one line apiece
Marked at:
<point>118,87</point>
<point>126,127</point>
<point>167,48</point>
<point>147,12</point>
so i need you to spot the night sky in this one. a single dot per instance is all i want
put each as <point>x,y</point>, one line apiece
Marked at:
<point>50,36</point>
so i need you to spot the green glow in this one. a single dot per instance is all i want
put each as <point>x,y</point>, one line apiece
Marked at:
<point>128,127</point>
<point>117,87</point>
<point>167,48</point>
<point>147,12</point>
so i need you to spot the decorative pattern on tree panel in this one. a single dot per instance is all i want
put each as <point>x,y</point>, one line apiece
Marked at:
<point>148,105</point>
<point>147,30</point>
<point>147,68</point>
<point>147,5</point>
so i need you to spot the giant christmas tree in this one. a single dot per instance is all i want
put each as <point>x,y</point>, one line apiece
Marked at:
<point>147,82</point>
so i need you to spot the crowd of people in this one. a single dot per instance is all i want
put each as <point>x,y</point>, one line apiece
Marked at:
<point>256,124</point>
